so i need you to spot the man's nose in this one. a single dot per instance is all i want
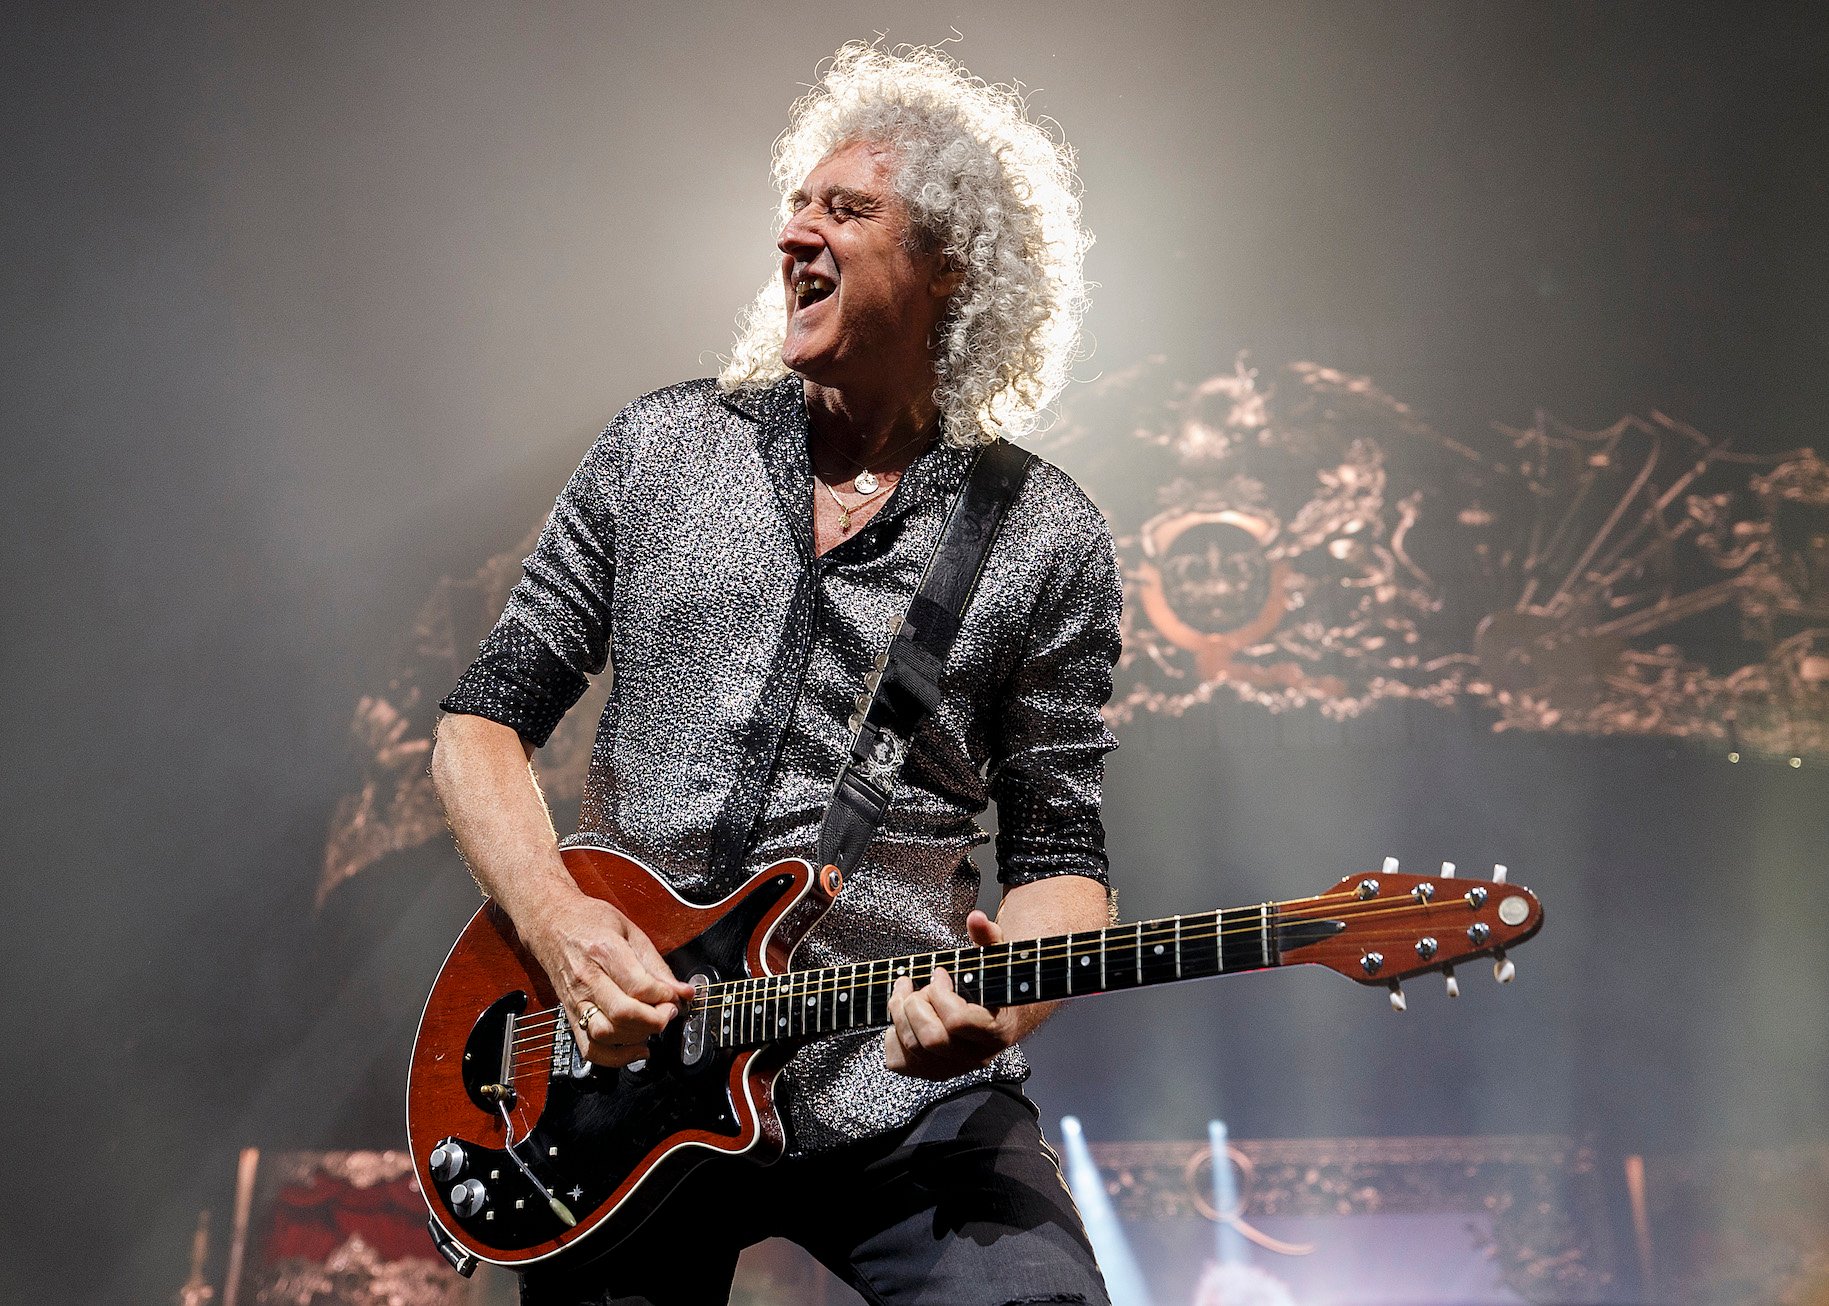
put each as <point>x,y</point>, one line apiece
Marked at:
<point>800,238</point>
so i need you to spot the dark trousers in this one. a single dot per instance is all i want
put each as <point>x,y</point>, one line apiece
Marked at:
<point>965,1207</point>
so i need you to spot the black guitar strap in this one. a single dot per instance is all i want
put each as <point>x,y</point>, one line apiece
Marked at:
<point>905,687</point>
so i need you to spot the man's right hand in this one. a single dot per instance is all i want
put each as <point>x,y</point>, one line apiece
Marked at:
<point>616,990</point>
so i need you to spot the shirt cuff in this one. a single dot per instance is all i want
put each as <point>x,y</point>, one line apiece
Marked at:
<point>1038,839</point>
<point>518,682</point>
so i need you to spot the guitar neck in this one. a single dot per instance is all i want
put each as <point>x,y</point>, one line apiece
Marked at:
<point>799,1003</point>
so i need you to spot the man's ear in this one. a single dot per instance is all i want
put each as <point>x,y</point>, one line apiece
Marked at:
<point>947,279</point>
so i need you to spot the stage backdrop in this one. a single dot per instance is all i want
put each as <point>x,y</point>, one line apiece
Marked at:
<point>1455,385</point>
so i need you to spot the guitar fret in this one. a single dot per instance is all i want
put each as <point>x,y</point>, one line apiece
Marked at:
<point>952,968</point>
<point>1051,969</point>
<point>1158,963</point>
<point>1120,970</point>
<point>1200,944</point>
<point>997,967</point>
<point>800,1004</point>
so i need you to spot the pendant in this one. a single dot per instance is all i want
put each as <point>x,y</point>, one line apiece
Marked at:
<point>865,483</point>
<point>844,518</point>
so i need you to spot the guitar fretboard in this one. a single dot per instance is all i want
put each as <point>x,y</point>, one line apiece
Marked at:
<point>856,996</point>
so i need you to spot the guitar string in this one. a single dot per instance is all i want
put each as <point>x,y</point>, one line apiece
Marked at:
<point>780,992</point>
<point>725,986</point>
<point>529,1063</point>
<point>1158,933</point>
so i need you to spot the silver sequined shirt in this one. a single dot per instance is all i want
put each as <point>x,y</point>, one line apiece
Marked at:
<point>681,555</point>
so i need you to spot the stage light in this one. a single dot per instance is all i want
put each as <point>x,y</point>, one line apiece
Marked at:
<point>1231,1243</point>
<point>1123,1279</point>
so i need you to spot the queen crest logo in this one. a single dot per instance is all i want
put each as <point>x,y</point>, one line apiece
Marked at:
<point>884,757</point>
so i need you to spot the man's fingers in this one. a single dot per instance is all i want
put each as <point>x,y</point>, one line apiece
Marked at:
<point>615,1055</point>
<point>953,1010</point>
<point>637,969</point>
<point>666,985</point>
<point>633,1021</point>
<point>898,1014</point>
<point>983,930</point>
<point>925,1023</point>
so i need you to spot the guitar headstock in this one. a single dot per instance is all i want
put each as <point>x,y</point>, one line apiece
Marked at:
<point>1384,927</point>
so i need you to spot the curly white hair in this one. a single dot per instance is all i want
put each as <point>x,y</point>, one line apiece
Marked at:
<point>983,183</point>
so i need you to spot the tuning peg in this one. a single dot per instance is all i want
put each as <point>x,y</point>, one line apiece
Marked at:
<point>1447,870</point>
<point>1398,1003</point>
<point>1503,968</point>
<point>1498,874</point>
<point>1390,866</point>
<point>1453,985</point>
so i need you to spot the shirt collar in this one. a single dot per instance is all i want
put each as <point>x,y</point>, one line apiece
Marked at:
<point>781,412</point>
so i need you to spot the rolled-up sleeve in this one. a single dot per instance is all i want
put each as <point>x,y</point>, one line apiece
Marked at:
<point>1048,776</point>
<point>554,633</point>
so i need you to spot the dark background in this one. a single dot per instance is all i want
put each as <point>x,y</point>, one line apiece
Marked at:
<point>309,305</point>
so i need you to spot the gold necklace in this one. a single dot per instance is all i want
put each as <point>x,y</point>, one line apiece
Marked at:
<point>845,510</point>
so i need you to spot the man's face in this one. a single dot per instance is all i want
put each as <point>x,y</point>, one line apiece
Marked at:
<point>861,306</point>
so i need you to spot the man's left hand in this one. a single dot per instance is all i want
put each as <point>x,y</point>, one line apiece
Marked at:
<point>936,1034</point>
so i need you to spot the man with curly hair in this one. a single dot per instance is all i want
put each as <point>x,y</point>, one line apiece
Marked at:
<point>737,551</point>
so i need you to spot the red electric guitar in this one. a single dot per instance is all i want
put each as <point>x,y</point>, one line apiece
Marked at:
<point>523,1149</point>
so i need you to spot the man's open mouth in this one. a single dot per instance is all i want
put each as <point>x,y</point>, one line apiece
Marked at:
<point>811,288</point>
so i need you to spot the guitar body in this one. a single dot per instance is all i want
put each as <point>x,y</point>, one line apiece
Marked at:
<point>607,1144</point>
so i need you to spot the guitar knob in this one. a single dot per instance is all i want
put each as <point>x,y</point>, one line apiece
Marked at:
<point>1390,866</point>
<point>1453,985</point>
<point>447,1160</point>
<point>1498,874</point>
<point>1398,1002</point>
<point>1447,870</point>
<point>1503,968</point>
<point>468,1197</point>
